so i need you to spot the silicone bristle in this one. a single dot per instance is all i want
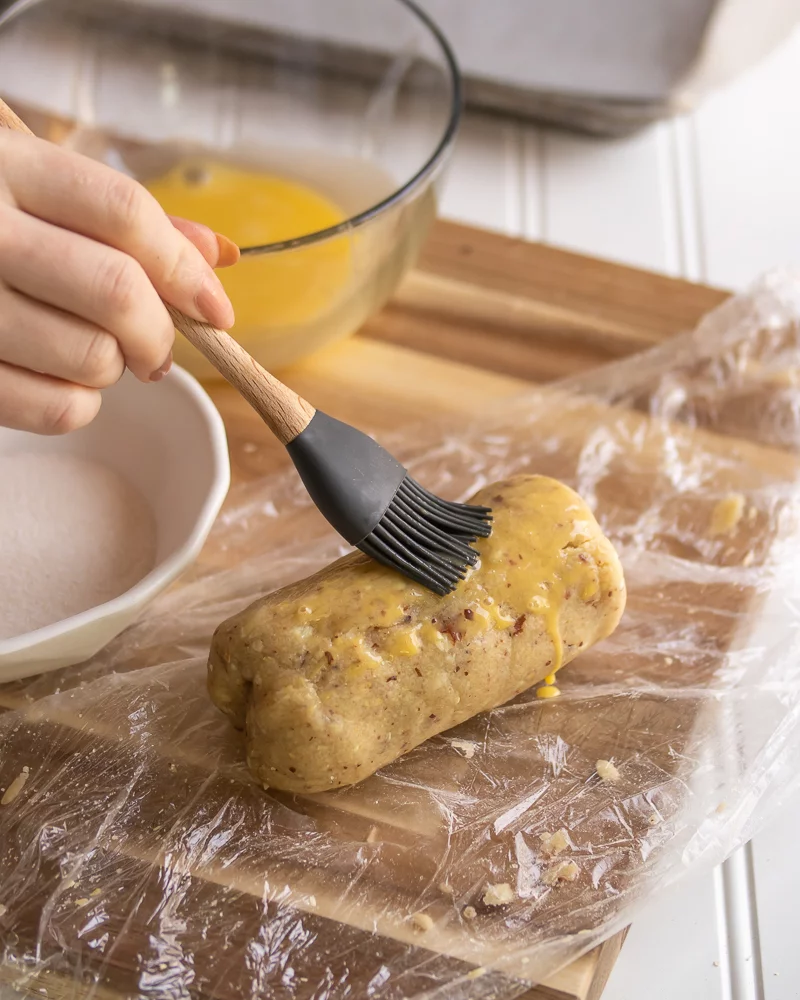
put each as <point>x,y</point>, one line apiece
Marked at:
<point>427,538</point>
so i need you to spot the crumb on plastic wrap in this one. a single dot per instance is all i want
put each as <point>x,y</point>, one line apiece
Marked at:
<point>566,871</point>
<point>15,788</point>
<point>422,922</point>
<point>726,514</point>
<point>141,858</point>
<point>555,843</point>
<point>499,894</point>
<point>607,771</point>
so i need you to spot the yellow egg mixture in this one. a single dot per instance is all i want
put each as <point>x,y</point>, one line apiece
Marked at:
<point>254,209</point>
<point>535,561</point>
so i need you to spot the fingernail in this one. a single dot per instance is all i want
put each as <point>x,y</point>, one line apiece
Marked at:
<point>163,370</point>
<point>228,251</point>
<point>213,304</point>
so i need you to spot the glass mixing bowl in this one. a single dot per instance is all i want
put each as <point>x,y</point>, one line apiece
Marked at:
<point>312,132</point>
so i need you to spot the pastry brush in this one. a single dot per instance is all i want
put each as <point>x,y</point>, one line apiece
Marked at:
<point>365,493</point>
<point>362,490</point>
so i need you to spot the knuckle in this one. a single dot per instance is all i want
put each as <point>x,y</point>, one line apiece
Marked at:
<point>101,363</point>
<point>66,412</point>
<point>179,263</point>
<point>119,284</point>
<point>171,271</point>
<point>124,201</point>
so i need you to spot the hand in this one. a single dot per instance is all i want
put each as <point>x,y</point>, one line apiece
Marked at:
<point>86,256</point>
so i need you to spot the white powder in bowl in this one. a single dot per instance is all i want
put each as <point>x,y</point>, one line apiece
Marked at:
<point>73,534</point>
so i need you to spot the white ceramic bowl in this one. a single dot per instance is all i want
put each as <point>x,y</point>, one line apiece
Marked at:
<point>167,440</point>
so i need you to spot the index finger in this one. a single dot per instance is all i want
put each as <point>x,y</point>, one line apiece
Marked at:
<point>76,193</point>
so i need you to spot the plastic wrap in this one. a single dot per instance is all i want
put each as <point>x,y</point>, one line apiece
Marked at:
<point>138,857</point>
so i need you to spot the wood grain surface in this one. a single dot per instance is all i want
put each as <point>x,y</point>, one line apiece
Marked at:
<point>481,319</point>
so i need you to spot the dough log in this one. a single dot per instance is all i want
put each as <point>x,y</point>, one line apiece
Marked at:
<point>341,673</point>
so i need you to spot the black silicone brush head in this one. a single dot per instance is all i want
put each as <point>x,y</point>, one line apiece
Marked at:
<point>427,538</point>
<point>370,499</point>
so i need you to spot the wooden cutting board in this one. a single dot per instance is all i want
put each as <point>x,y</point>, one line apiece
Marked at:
<point>477,322</point>
<point>480,319</point>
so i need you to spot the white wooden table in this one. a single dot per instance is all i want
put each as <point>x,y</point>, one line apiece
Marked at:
<point>715,197</point>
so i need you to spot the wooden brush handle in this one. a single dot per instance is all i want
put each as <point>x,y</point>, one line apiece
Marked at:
<point>11,121</point>
<point>285,413</point>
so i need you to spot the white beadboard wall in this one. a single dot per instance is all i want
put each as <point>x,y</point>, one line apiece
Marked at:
<point>713,196</point>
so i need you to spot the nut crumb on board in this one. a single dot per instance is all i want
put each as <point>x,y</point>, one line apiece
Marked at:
<point>465,747</point>
<point>554,843</point>
<point>469,913</point>
<point>446,888</point>
<point>726,514</point>
<point>476,973</point>
<point>564,871</point>
<point>15,787</point>
<point>422,922</point>
<point>499,894</point>
<point>3,909</point>
<point>607,771</point>
<point>372,836</point>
